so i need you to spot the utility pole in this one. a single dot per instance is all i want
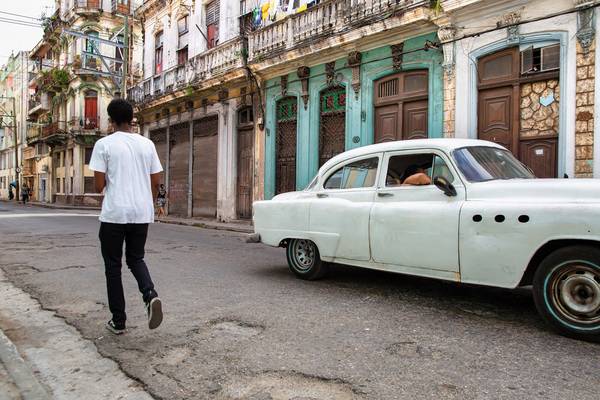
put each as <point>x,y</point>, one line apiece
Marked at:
<point>125,58</point>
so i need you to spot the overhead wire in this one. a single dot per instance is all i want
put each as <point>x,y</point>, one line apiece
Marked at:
<point>19,22</point>
<point>20,15</point>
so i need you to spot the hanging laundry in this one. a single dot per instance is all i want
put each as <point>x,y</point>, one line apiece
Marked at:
<point>265,11</point>
<point>256,17</point>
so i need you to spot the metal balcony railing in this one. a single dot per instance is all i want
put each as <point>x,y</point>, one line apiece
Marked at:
<point>54,128</point>
<point>85,123</point>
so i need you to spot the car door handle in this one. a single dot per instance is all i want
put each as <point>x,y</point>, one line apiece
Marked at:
<point>384,194</point>
<point>322,195</point>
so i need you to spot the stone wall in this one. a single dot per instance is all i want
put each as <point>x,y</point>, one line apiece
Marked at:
<point>449,100</point>
<point>540,108</point>
<point>584,112</point>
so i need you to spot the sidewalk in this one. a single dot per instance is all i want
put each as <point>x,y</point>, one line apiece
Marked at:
<point>44,358</point>
<point>234,226</point>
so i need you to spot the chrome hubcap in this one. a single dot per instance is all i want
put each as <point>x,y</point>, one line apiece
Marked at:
<point>304,253</point>
<point>576,293</point>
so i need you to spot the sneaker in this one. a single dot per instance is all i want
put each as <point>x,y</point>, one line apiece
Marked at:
<point>117,330</point>
<point>155,315</point>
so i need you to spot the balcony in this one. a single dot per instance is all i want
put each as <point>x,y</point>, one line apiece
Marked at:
<point>79,124</point>
<point>121,6</point>
<point>38,103</point>
<point>34,134</point>
<point>54,132</point>
<point>215,62</point>
<point>322,20</point>
<point>87,6</point>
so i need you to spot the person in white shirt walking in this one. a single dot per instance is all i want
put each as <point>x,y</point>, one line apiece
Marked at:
<point>126,166</point>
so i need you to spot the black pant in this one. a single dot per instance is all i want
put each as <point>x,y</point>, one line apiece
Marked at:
<point>112,237</point>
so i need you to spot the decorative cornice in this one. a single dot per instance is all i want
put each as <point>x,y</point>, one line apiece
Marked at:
<point>354,61</point>
<point>330,72</point>
<point>397,50</point>
<point>304,73</point>
<point>585,28</point>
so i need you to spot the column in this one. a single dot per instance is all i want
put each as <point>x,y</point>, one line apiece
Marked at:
<point>447,33</point>
<point>584,107</point>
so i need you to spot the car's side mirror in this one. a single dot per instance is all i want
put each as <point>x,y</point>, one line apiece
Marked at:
<point>442,183</point>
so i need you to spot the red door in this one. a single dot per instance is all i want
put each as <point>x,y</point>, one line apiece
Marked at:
<point>91,112</point>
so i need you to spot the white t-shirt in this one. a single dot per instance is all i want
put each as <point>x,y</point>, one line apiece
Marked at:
<point>127,159</point>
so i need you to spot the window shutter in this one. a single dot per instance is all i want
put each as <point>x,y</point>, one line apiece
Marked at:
<point>550,58</point>
<point>212,12</point>
<point>527,60</point>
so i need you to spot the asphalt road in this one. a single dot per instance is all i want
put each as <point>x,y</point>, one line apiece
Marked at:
<point>239,325</point>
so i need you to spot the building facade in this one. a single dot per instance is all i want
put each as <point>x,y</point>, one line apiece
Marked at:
<point>195,103</point>
<point>246,100</point>
<point>13,102</point>
<point>530,83</point>
<point>78,70</point>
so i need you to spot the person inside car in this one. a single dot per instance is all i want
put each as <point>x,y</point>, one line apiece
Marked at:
<point>416,176</point>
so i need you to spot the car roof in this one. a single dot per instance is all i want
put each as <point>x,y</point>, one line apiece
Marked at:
<point>444,144</point>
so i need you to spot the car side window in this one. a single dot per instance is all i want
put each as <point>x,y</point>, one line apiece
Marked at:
<point>440,168</point>
<point>359,174</point>
<point>416,170</point>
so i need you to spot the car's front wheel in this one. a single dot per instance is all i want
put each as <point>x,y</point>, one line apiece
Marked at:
<point>304,259</point>
<point>566,289</point>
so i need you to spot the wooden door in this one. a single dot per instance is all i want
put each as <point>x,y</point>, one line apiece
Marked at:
<point>91,111</point>
<point>332,126</point>
<point>285,146</point>
<point>204,176</point>
<point>495,118</point>
<point>401,106</point>
<point>498,104</point>
<point>540,156</point>
<point>178,169</point>
<point>414,120</point>
<point>245,160</point>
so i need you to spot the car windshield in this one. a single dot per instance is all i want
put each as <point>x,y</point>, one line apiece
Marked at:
<point>481,163</point>
<point>312,183</point>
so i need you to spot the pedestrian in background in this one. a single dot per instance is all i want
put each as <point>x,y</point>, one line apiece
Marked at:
<point>126,166</point>
<point>25,194</point>
<point>161,201</point>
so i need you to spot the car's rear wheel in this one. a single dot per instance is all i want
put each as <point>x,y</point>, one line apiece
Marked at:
<point>304,259</point>
<point>566,289</point>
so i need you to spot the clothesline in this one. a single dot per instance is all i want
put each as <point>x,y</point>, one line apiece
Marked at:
<point>268,11</point>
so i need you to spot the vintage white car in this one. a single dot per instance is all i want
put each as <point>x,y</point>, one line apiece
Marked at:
<point>472,214</point>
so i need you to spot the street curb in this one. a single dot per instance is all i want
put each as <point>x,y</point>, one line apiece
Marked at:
<point>23,377</point>
<point>208,225</point>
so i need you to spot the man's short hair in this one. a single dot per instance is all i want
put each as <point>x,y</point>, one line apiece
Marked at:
<point>120,111</point>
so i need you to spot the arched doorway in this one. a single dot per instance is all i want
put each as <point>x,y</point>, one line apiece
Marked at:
<point>332,126</point>
<point>518,106</point>
<point>285,145</point>
<point>401,106</point>
<point>245,162</point>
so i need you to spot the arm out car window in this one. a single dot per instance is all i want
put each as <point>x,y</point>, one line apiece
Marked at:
<point>358,174</point>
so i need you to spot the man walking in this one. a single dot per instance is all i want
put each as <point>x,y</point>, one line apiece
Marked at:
<point>127,167</point>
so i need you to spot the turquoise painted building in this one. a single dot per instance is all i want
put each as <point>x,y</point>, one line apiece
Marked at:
<point>338,103</point>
